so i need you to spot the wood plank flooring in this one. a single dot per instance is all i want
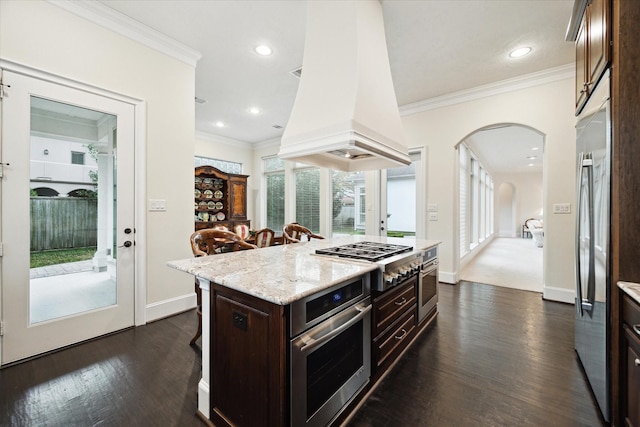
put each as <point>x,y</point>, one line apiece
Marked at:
<point>493,357</point>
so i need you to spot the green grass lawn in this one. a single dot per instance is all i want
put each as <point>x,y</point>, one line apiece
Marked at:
<point>42,259</point>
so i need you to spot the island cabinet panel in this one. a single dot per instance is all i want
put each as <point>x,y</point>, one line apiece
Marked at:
<point>630,365</point>
<point>394,324</point>
<point>248,361</point>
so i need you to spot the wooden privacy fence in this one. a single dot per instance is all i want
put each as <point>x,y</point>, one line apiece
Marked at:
<point>63,223</point>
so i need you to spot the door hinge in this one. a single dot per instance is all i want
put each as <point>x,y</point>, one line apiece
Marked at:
<point>1,249</point>
<point>2,92</point>
<point>1,329</point>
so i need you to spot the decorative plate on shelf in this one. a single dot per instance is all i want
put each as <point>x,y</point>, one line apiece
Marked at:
<point>207,182</point>
<point>211,204</point>
<point>220,216</point>
<point>217,184</point>
<point>208,194</point>
<point>219,205</point>
<point>198,180</point>
<point>217,195</point>
<point>197,193</point>
<point>203,205</point>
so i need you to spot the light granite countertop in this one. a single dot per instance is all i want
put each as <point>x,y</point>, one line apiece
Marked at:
<point>631,289</point>
<point>286,273</point>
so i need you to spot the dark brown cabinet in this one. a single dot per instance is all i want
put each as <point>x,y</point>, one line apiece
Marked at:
<point>592,49</point>
<point>394,324</point>
<point>248,360</point>
<point>220,198</point>
<point>630,366</point>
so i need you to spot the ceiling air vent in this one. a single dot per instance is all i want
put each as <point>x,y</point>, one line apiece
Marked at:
<point>200,100</point>
<point>277,127</point>
<point>297,73</point>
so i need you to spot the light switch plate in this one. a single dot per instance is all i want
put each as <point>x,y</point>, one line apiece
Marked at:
<point>562,208</point>
<point>157,205</point>
<point>432,207</point>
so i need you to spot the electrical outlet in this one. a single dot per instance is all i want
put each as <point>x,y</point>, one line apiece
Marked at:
<point>562,208</point>
<point>433,216</point>
<point>157,205</point>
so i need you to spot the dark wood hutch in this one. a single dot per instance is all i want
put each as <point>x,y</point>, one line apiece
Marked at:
<point>220,198</point>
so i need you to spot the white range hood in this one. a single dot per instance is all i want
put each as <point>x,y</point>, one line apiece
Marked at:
<point>345,115</point>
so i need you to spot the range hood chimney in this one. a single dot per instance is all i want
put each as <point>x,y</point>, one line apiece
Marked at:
<point>345,115</point>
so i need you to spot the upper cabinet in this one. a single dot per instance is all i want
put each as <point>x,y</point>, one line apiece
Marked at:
<point>592,49</point>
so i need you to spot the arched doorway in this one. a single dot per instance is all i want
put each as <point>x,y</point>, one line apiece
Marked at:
<point>501,186</point>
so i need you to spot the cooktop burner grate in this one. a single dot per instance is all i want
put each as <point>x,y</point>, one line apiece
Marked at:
<point>369,251</point>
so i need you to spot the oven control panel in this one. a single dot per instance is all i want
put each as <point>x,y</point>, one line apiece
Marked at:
<point>397,274</point>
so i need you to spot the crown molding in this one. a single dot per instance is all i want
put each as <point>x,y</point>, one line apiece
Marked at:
<point>268,143</point>
<point>117,22</point>
<point>236,143</point>
<point>504,86</point>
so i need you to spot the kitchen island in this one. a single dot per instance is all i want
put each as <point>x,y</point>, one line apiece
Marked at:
<point>247,326</point>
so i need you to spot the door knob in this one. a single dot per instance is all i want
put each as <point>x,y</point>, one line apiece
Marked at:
<point>128,244</point>
<point>127,231</point>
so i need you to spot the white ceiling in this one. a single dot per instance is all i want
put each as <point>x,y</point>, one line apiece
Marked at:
<point>435,48</point>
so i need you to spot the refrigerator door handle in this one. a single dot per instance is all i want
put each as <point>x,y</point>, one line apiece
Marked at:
<point>578,217</point>
<point>586,162</point>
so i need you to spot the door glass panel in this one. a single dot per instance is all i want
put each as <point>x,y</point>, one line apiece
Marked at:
<point>348,203</point>
<point>401,201</point>
<point>72,210</point>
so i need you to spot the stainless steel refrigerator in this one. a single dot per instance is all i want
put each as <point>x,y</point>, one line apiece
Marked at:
<point>593,278</point>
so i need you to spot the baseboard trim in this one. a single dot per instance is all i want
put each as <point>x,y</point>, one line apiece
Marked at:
<point>447,277</point>
<point>558,294</point>
<point>169,307</point>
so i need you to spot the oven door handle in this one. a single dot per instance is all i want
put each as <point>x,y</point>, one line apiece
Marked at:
<point>312,343</point>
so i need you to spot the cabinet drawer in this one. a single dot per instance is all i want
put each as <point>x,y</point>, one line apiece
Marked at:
<point>390,304</point>
<point>387,346</point>
<point>630,311</point>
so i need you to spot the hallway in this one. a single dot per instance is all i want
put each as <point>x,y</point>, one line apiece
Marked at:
<point>508,262</point>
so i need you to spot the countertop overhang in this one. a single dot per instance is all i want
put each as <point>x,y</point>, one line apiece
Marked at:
<point>286,273</point>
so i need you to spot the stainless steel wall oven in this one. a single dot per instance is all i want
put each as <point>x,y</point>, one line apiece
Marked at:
<point>428,283</point>
<point>330,351</point>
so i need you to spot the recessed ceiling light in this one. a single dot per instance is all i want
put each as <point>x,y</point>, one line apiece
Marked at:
<point>531,157</point>
<point>521,51</point>
<point>254,110</point>
<point>535,148</point>
<point>219,124</point>
<point>530,164</point>
<point>263,50</point>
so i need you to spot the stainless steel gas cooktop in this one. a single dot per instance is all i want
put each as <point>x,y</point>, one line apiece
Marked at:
<point>368,251</point>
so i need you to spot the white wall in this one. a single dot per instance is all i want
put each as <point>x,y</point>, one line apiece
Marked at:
<point>548,108</point>
<point>46,37</point>
<point>528,197</point>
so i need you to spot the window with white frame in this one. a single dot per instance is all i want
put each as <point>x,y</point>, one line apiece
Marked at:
<point>307,182</point>
<point>347,202</point>
<point>476,201</point>
<point>223,165</point>
<point>274,179</point>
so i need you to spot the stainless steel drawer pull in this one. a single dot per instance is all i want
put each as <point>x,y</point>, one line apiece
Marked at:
<point>636,329</point>
<point>404,300</point>
<point>404,334</point>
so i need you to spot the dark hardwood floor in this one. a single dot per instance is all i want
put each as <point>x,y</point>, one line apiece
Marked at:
<point>494,357</point>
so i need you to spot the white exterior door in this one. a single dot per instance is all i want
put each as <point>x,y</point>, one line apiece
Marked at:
<point>66,216</point>
<point>401,199</point>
